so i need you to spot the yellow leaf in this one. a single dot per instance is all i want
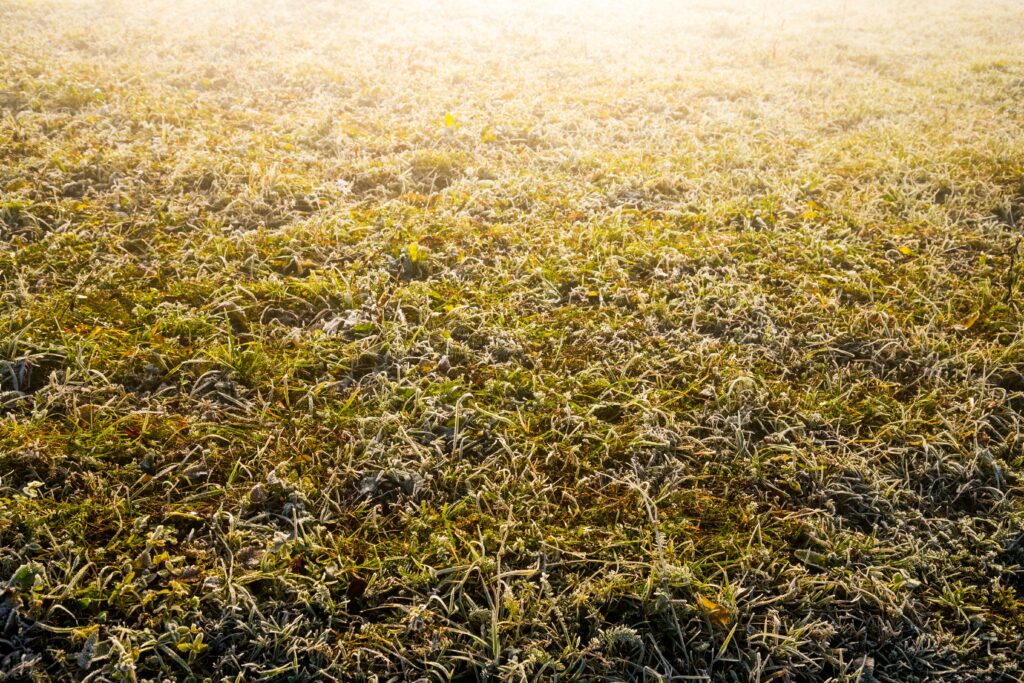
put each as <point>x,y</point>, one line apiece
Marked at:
<point>449,122</point>
<point>968,322</point>
<point>718,614</point>
<point>906,251</point>
<point>414,252</point>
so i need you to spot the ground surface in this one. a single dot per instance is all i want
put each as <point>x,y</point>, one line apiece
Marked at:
<point>408,342</point>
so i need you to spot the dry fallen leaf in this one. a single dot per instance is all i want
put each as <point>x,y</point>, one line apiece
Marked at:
<point>718,614</point>
<point>968,323</point>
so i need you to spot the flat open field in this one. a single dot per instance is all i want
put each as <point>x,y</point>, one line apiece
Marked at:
<point>526,341</point>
